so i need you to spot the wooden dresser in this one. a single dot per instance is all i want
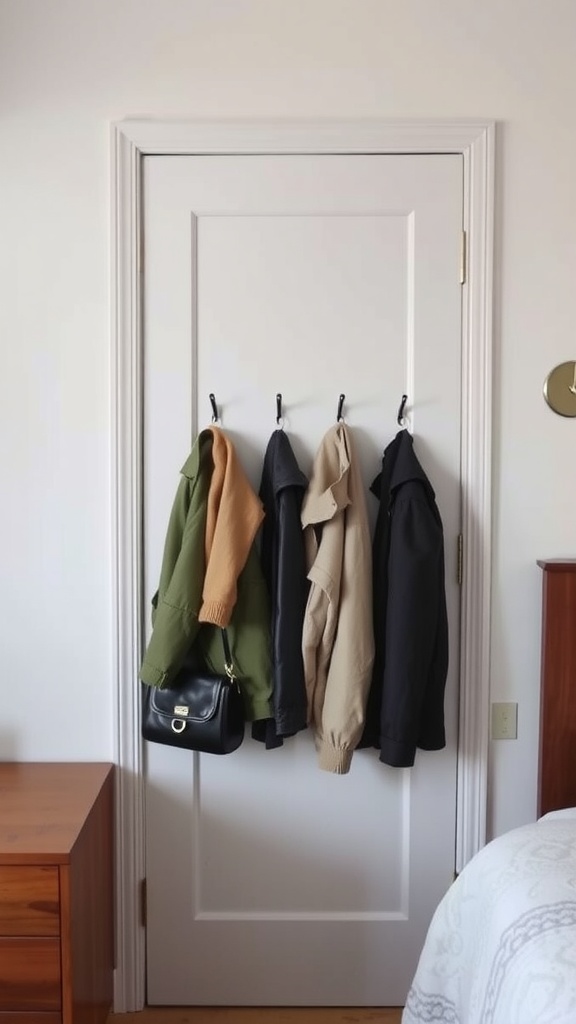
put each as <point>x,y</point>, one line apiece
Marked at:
<point>56,899</point>
<point>557,767</point>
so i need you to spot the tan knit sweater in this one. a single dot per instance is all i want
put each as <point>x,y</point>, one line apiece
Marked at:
<point>234,515</point>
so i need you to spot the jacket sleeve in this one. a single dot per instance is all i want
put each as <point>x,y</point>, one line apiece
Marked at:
<point>176,604</point>
<point>350,667</point>
<point>317,639</point>
<point>291,593</point>
<point>414,610</point>
<point>234,516</point>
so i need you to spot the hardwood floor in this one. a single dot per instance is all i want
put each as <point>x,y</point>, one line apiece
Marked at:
<point>259,1015</point>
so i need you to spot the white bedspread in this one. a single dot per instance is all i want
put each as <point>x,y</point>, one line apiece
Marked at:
<point>501,948</point>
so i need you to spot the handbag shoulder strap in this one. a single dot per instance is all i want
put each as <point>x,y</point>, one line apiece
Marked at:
<point>228,662</point>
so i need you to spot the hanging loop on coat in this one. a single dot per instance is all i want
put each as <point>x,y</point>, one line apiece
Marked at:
<point>339,416</point>
<point>215,416</point>
<point>401,419</point>
<point>279,416</point>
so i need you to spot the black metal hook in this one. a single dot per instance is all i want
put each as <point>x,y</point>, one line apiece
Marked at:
<point>400,417</point>
<point>279,409</point>
<point>339,416</point>
<point>215,416</point>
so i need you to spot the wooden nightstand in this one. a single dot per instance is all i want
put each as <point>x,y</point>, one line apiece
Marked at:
<point>56,893</point>
<point>557,765</point>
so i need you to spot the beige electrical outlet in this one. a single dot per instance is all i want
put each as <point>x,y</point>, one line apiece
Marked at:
<point>504,721</point>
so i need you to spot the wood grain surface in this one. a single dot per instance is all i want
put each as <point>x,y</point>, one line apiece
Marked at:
<point>29,900</point>
<point>557,762</point>
<point>30,1017</point>
<point>86,887</point>
<point>56,893</point>
<point>29,974</point>
<point>43,809</point>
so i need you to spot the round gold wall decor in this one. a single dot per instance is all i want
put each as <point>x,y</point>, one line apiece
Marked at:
<point>560,389</point>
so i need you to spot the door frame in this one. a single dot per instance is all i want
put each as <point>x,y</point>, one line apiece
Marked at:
<point>131,141</point>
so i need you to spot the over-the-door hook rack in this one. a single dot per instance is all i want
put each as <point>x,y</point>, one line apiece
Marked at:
<point>400,417</point>
<point>339,416</point>
<point>215,416</point>
<point>279,417</point>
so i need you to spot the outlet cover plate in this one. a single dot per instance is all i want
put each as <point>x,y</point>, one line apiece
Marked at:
<point>504,721</point>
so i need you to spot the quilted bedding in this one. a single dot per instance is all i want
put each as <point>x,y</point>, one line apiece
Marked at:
<point>501,947</point>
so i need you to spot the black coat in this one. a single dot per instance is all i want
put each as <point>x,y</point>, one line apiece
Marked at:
<point>283,563</point>
<point>406,702</point>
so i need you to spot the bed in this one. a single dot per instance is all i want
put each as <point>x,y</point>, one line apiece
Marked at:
<point>501,947</point>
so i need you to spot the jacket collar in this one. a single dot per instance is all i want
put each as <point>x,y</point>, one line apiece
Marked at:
<point>328,492</point>
<point>280,467</point>
<point>400,466</point>
<point>202,444</point>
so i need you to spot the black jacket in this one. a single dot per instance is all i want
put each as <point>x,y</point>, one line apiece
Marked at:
<point>406,703</point>
<point>283,563</point>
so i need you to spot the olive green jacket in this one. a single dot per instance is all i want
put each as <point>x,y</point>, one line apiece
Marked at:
<point>176,632</point>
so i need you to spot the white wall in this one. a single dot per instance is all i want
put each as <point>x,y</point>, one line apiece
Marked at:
<point>68,67</point>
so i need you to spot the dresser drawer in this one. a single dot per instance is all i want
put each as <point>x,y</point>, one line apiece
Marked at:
<point>29,901</point>
<point>30,974</point>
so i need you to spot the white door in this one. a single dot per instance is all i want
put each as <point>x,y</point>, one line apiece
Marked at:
<point>269,881</point>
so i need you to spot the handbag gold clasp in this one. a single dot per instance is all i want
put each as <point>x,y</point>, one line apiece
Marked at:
<point>181,710</point>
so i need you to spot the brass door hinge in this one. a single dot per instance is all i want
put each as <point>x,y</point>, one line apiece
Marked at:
<point>143,903</point>
<point>460,558</point>
<point>463,258</point>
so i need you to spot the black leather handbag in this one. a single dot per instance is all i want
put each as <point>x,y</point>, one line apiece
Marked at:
<point>198,711</point>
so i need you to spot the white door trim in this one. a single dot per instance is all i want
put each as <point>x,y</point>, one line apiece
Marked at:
<point>131,141</point>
